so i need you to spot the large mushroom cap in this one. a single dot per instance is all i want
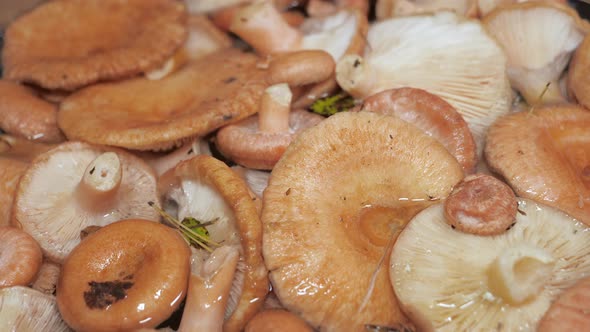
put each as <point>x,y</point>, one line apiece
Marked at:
<point>68,44</point>
<point>77,185</point>
<point>538,38</point>
<point>545,156</point>
<point>335,201</point>
<point>27,310</point>
<point>443,54</point>
<point>206,189</point>
<point>152,115</point>
<point>449,280</point>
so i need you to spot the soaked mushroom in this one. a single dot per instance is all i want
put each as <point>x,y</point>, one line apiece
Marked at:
<point>538,39</point>
<point>447,280</point>
<point>25,309</point>
<point>543,155</point>
<point>20,257</point>
<point>77,185</point>
<point>128,275</point>
<point>208,191</point>
<point>334,204</point>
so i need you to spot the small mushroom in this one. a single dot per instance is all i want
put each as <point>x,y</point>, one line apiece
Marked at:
<point>20,257</point>
<point>443,54</point>
<point>277,320</point>
<point>128,275</point>
<point>25,309</point>
<point>334,204</point>
<point>392,8</point>
<point>209,290</point>
<point>26,115</point>
<point>259,142</point>
<point>569,312</point>
<point>142,114</point>
<point>77,185</point>
<point>207,190</point>
<point>543,155</point>
<point>538,39</point>
<point>447,280</point>
<point>433,115</point>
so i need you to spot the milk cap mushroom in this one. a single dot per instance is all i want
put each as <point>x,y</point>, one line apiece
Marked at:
<point>385,9</point>
<point>275,320</point>
<point>543,156</point>
<point>569,312</point>
<point>25,309</point>
<point>538,38</point>
<point>20,257</point>
<point>447,280</point>
<point>141,114</point>
<point>577,77</point>
<point>76,185</point>
<point>207,190</point>
<point>443,54</point>
<point>326,249</point>
<point>128,275</point>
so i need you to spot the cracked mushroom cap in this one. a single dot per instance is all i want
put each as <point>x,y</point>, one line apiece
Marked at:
<point>538,39</point>
<point>544,156</point>
<point>25,309</point>
<point>69,44</point>
<point>208,190</point>
<point>26,115</point>
<point>333,206</point>
<point>448,280</point>
<point>77,185</point>
<point>143,114</point>
<point>444,54</point>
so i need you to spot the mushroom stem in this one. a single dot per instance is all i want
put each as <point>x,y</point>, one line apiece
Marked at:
<point>263,27</point>
<point>100,181</point>
<point>543,93</point>
<point>355,76</point>
<point>519,273</point>
<point>273,116</point>
<point>208,292</point>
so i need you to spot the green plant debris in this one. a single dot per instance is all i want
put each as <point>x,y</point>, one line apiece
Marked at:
<point>333,104</point>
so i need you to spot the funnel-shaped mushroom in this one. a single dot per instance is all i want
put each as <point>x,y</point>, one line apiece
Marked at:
<point>25,309</point>
<point>26,115</point>
<point>391,8</point>
<point>69,44</point>
<point>544,156</point>
<point>207,190</point>
<point>77,185</point>
<point>154,115</point>
<point>538,38</point>
<point>334,204</point>
<point>448,280</point>
<point>128,275</point>
<point>578,81</point>
<point>443,54</point>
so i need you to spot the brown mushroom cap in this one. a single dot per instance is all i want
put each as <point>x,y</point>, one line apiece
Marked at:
<point>21,149</point>
<point>433,115</point>
<point>207,189</point>
<point>334,203</point>
<point>60,194</point>
<point>152,115</point>
<point>12,170</point>
<point>127,275</point>
<point>277,320</point>
<point>20,257</point>
<point>544,156</point>
<point>68,44</point>
<point>26,115</point>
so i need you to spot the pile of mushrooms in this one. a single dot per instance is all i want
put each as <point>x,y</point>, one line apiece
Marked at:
<point>318,165</point>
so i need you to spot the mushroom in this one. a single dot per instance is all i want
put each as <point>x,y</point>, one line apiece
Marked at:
<point>128,275</point>
<point>392,8</point>
<point>538,38</point>
<point>328,7</point>
<point>69,44</point>
<point>163,163</point>
<point>447,280</point>
<point>333,207</point>
<point>433,115</point>
<point>20,257</point>
<point>577,78</point>
<point>443,54</point>
<point>142,114</point>
<point>207,190</point>
<point>46,281</point>
<point>209,290</point>
<point>209,6</point>
<point>259,141</point>
<point>277,320</point>
<point>570,311</point>
<point>26,115</point>
<point>77,185</point>
<point>543,155</point>
<point>256,180</point>
<point>25,309</point>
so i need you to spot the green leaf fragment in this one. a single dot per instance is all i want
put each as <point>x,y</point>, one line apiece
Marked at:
<point>195,226</point>
<point>333,104</point>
